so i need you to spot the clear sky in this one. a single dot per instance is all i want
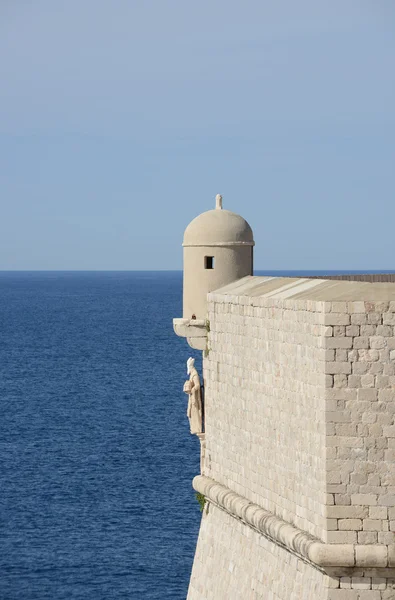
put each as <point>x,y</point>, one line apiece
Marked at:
<point>121,119</point>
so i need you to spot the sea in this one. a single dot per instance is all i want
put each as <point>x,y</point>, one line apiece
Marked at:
<point>96,458</point>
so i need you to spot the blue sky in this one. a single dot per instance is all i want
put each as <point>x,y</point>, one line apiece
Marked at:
<point>121,119</point>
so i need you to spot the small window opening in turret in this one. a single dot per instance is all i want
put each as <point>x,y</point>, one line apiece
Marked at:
<point>209,262</point>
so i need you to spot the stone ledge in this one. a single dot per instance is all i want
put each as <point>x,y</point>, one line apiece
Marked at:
<point>195,330</point>
<point>221,244</point>
<point>190,327</point>
<point>294,540</point>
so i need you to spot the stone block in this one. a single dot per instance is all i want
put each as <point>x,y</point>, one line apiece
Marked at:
<point>368,355</point>
<point>379,583</point>
<point>386,538</point>
<point>340,307</point>
<point>336,319</point>
<point>359,368</point>
<point>368,330</point>
<point>341,537</point>
<point>372,525</point>
<point>364,499</point>
<point>331,524</point>
<point>382,381</point>
<point>384,330</point>
<point>342,441</point>
<point>341,395</point>
<point>355,307</point>
<point>352,330</point>
<point>378,512</point>
<point>387,500</point>
<point>338,416</point>
<point>369,595</point>
<point>339,330</point>
<point>339,488</point>
<point>340,381</point>
<point>354,381</point>
<point>375,431</point>
<point>391,556</point>
<point>376,368</point>
<point>374,318</point>
<point>350,524</point>
<point>342,595</point>
<point>360,343</point>
<point>358,478</point>
<point>343,499</point>
<point>335,368</point>
<point>384,355</point>
<point>345,583</point>
<point>359,319</point>
<point>332,555</point>
<point>361,583</point>
<point>346,512</point>
<point>368,395</point>
<point>389,318</point>
<point>367,381</point>
<point>371,556</point>
<point>386,395</point>
<point>367,537</point>
<point>343,429</point>
<point>377,342</point>
<point>338,342</point>
<point>389,369</point>
<point>341,355</point>
<point>368,418</point>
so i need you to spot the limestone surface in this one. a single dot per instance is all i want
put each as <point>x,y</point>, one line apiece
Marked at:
<point>299,422</point>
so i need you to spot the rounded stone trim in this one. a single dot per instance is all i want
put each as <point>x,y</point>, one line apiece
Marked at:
<point>212,244</point>
<point>289,537</point>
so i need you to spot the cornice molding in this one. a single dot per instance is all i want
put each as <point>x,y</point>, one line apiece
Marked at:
<point>296,541</point>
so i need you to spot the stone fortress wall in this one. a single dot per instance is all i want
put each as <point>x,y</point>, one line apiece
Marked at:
<point>264,385</point>
<point>298,467</point>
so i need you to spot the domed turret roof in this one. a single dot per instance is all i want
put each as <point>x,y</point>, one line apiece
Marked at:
<point>218,227</point>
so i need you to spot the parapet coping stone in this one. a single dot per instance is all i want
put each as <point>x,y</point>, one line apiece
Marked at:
<point>296,541</point>
<point>304,288</point>
<point>190,327</point>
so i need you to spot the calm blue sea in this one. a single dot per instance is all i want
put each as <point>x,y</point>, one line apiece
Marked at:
<point>96,457</point>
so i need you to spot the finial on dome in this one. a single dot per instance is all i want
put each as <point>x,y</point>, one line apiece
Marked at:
<point>218,201</point>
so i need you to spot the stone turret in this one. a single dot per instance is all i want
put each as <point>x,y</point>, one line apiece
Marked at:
<point>218,249</point>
